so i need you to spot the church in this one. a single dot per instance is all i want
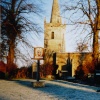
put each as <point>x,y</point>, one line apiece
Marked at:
<point>54,42</point>
<point>54,31</point>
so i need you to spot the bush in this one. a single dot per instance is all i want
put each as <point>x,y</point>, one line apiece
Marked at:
<point>47,69</point>
<point>14,72</point>
<point>21,73</point>
<point>79,73</point>
<point>24,72</point>
<point>42,71</point>
<point>2,69</point>
<point>11,70</point>
<point>83,70</point>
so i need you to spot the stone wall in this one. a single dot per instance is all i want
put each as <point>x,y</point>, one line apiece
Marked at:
<point>75,60</point>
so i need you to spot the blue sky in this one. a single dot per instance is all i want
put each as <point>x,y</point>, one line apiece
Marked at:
<point>39,40</point>
<point>70,38</point>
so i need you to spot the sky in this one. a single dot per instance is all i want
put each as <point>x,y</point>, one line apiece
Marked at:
<point>70,37</point>
<point>37,40</point>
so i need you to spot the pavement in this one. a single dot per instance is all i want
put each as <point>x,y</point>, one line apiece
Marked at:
<point>22,89</point>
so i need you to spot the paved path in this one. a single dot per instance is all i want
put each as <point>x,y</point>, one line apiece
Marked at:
<point>54,90</point>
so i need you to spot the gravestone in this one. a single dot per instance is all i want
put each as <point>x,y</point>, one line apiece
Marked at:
<point>97,77</point>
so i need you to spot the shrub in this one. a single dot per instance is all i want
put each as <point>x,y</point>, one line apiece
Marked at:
<point>2,70</point>
<point>47,69</point>
<point>83,70</point>
<point>79,73</point>
<point>42,71</point>
<point>11,70</point>
<point>23,72</point>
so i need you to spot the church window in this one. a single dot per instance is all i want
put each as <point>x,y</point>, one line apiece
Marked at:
<point>52,35</point>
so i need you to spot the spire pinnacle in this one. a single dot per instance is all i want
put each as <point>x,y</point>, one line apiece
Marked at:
<point>55,15</point>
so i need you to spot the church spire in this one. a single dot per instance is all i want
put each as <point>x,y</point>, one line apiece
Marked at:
<point>55,15</point>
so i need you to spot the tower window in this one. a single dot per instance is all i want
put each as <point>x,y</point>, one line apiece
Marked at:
<point>52,35</point>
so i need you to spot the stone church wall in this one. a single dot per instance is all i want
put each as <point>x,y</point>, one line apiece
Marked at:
<point>75,59</point>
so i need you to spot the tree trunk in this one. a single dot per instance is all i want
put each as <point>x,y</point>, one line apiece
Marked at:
<point>95,48</point>
<point>11,53</point>
<point>96,35</point>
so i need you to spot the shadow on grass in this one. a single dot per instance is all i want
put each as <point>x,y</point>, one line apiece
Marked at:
<point>64,90</point>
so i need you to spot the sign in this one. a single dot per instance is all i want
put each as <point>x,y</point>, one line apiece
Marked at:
<point>38,53</point>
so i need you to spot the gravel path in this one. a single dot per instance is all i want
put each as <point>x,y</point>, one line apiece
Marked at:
<point>54,90</point>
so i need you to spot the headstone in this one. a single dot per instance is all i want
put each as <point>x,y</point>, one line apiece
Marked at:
<point>97,77</point>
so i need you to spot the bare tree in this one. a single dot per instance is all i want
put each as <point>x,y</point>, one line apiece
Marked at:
<point>15,23</point>
<point>82,47</point>
<point>86,14</point>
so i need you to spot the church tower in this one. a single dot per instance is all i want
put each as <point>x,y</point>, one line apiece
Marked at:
<point>54,32</point>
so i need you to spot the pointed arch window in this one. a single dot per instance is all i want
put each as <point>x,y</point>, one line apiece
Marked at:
<point>52,35</point>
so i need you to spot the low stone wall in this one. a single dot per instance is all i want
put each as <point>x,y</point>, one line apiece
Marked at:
<point>74,59</point>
